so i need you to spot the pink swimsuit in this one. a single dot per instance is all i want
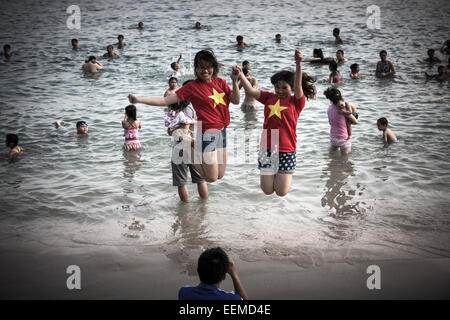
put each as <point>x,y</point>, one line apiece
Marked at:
<point>131,139</point>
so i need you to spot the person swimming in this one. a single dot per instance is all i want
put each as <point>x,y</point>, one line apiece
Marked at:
<point>336,75</point>
<point>140,25</point>
<point>354,74</point>
<point>278,38</point>
<point>318,57</point>
<point>240,42</point>
<point>74,43</point>
<point>110,53</point>
<point>12,141</point>
<point>336,35</point>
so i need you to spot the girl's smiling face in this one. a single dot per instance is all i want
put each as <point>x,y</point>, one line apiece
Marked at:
<point>204,71</point>
<point>283,89</point>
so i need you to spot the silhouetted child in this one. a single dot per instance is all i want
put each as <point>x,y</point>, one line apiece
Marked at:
<point>388,135</point>
<point>442,74</point>
<point>212,268</point>
<point>12,141</point>
<point>74,44</point>
<point>120,44</point>
<point>354,74</point>
<point>278,38</point>
<point>240,42</point>
<point>176,66</point>
<point>335,75</point>
<point>336,33</point>
<point>431,57</point>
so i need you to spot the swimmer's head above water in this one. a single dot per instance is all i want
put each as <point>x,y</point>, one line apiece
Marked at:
<point>82,127</point>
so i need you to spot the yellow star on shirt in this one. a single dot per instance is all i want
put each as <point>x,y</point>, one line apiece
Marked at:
<point>276,109</point>
<point>218,98</point>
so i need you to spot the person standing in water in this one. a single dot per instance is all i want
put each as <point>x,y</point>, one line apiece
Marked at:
<point>385,68</point>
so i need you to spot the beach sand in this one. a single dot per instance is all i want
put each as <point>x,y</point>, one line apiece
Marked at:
<point>30,270</point>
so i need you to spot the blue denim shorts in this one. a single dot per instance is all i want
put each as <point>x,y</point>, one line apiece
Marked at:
<point>212,140</point>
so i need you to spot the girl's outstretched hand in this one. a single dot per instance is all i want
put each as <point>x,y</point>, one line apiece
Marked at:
<point>298,56</point>
<point>132,98</point>
<point>236,71</point>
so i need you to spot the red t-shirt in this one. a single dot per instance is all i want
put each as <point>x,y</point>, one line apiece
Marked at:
<point>210,101</point>
<point>281,114</point>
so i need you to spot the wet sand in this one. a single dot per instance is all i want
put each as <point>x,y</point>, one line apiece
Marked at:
<point>30,270</point>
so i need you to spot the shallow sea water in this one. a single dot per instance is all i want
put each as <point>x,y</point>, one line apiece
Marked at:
<point>380,203</point>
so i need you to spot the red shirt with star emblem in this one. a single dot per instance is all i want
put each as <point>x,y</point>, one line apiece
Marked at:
<point>210,101</point>
<point>281,114</point>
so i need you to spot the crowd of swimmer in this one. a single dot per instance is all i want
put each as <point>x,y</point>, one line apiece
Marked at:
<point>206,100</point>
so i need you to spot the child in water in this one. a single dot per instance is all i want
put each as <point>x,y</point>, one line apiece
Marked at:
<point>173,84</point>
<point>12,141</point>
<point>340,59</point>
<point>110,52</point>
<point>240,42</point>
<point>388,135</point>
<point>336,35</point>
<point>354,74</point>
<point>335,75</point>
<point>249,104</point>
<point>82,127</point>
<point>120,44</point>
<point>431,57</point>
<point>341,115</point>
<point>180,121</point>
<point>131,127</point>
<point>176,66</point>
<point>442,74</point>
<point>277,155</point>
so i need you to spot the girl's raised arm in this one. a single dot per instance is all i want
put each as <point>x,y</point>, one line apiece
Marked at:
<point>298,90</point>
<point>166,101</point>
<point>249,90</point>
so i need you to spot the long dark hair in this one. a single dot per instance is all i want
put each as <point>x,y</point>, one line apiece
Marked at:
<point>131,112</point>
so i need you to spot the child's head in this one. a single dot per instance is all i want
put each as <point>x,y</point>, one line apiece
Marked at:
<point>382,123</point>
<point>283,82</point>
<point>240,39</point>
<point>278,37</point>
<point>340,54</point>
<point>334,95</point>
<point>383,54</point>
<point>213,265</point>
<point>140,25</point>
<point>173,83</point>
<point>198,25</point>
<point>131,111</point>
<point>182,104</point>
<point>336,31</point>
<point>120,37</point>
<point>175,66</point>
<point>430,52</point>
<point>12,140</point>
<point>91,59</point>
<point>82,127</point>
<point>246,65</point>
<point>333,66</point>
<point>74,42</point>
<point>317,53</point>
<point>354,67</point>
<point>206,65</point>
<point>109,48</point>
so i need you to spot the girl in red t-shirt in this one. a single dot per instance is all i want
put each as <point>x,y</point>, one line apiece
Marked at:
<point>277,155</point>
<point>210,97</point>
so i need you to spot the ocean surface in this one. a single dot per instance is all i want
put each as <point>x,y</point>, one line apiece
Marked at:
<point>380,203</point>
